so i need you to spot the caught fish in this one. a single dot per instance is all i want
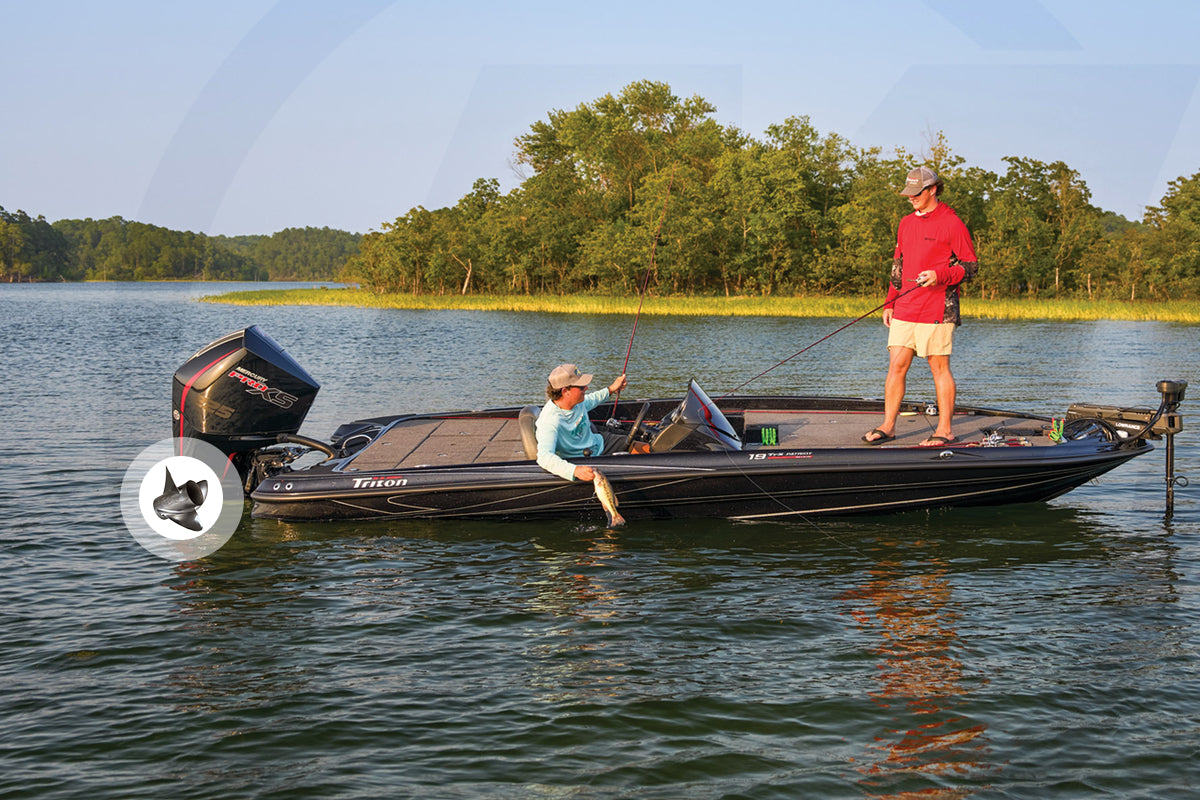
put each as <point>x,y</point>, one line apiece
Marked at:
<point>608,499</point>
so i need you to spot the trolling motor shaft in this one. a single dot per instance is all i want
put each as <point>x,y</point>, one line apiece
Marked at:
<point>1172,395</point>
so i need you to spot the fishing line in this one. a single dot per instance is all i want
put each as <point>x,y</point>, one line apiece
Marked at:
<point>811,522</point>
<point>645,283</point>
<point>818,341</point>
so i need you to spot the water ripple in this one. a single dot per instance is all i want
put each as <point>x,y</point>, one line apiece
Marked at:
<point>1042,651</point>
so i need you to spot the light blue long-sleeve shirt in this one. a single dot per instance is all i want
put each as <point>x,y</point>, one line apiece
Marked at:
<point>563,434</point>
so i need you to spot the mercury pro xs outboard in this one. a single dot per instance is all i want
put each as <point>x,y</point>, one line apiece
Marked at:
<point>241,393</point>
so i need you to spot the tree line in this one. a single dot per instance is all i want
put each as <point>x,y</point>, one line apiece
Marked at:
<point>647,187</point>
<point>117,249</point>
<point>296,253</point>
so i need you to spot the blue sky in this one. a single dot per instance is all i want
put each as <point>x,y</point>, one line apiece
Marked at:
<point>256,115</point>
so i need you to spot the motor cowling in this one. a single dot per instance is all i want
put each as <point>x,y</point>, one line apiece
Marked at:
<point>240,393</point>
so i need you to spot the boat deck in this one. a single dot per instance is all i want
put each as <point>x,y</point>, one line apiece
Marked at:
<point>819,429</point>
<point>477,440</point>
<point>436,442</point>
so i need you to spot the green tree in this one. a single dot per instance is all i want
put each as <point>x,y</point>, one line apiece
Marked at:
<point>777,200</point>
<point>1041,228</point>
<point>615,142</point>
<point>1172,255</point>
<point>12,248</point>
<point>753,243</point>
<point>31,249</point>
<point>861,259</point>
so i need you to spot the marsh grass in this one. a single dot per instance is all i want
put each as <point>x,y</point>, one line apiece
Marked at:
<point>1166,311</point>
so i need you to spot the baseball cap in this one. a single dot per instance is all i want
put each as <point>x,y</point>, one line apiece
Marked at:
<point>565,375</point>
<point>917,180</point>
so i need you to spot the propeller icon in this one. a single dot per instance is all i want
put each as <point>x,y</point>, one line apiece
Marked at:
<point>179,503</point>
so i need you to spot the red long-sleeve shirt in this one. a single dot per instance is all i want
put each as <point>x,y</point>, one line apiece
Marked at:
<point>938,241</point>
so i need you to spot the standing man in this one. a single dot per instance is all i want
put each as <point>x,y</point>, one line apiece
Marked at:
<point>933,252</point>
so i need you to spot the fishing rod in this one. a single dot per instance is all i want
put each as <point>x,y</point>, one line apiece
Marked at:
<point>645,283</point>
<point>818,341</point>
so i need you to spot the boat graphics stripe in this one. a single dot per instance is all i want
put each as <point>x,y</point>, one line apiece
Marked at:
<point>188,386</point>
<point>921,502</point>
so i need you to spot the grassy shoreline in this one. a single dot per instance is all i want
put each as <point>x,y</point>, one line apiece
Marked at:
<point>1184,311</point>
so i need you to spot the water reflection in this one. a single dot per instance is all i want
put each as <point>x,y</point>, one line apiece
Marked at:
<point>571,583</point>
<point>572,586</point>
<point>239,616</point>
<point>922,684</point>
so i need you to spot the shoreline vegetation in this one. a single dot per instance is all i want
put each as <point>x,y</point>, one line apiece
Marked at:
<point>1181,311</point>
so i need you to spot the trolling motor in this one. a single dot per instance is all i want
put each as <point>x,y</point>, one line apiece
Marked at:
<point>1172,393</point>
<point>1133,424</point>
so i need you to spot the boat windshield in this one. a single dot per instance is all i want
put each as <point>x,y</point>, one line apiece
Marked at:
<point>696,424</point>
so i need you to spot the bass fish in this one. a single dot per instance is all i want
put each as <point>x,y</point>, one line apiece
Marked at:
<point>608,499</point>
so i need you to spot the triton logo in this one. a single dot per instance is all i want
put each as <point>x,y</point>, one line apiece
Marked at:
<point>258,387</point>
<point>380,483</point>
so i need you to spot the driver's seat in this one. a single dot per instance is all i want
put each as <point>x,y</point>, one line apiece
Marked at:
<point>526,422</point>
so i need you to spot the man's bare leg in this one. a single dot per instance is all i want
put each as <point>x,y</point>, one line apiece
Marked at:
<point>946,392</point>
<point>899,360</point>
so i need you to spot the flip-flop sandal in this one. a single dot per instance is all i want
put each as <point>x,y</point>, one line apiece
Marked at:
<point>883,437</point>
<point>939,441</point>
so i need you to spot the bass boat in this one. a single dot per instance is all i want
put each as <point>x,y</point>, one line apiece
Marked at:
<point>739,457</point>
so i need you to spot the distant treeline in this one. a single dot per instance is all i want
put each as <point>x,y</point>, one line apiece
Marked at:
<point>646,184</point>
<point>296,253</point>
<point>116,249</point>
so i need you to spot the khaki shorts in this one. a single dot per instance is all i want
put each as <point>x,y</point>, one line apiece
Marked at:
<point>927,338</point>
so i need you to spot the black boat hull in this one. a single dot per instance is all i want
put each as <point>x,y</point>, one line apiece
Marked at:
<point>742,485</point>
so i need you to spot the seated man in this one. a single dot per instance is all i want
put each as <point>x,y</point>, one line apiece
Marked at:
<point>564,429</point>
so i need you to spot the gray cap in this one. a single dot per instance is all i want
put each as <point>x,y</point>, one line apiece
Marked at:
<point>917,180</point>
<point>565,375</point>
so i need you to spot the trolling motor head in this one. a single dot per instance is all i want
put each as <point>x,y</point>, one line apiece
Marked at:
<point>1172,393</point>
<point>1168,420</point>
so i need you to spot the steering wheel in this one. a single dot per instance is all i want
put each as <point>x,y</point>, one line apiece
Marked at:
<point>633,431</point>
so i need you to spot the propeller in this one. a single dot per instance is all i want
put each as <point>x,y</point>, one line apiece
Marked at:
<point>179,503</point>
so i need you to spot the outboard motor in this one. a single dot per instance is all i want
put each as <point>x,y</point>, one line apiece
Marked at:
<point>240,393</point>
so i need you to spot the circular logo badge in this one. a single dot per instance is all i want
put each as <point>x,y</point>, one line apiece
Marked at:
<point>182,499</point>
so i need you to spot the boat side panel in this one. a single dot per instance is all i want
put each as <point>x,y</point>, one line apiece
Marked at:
<point>741,485</point>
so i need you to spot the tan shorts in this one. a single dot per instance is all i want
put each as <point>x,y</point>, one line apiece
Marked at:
<point>927,338</point>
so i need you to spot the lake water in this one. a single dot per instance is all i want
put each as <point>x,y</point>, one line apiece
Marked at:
<point>1034,651</point>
